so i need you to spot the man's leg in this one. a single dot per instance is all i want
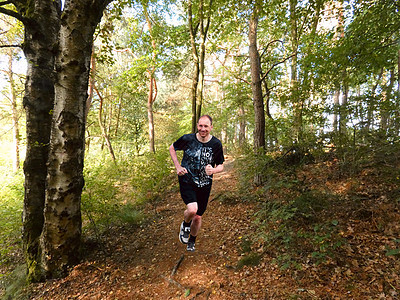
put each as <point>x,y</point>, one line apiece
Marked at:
<point>202,195</point>
<point>190,212</point>
<point>196,224</point>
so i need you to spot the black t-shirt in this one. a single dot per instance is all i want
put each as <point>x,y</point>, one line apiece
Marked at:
<point>197,155</point>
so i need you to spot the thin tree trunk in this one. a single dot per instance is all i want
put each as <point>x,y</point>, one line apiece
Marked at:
<point>242,126</point>
<point>118,116</point>
<point>103,128</point>
<point>336,106</point>
<point>195,79</point>
<point>14,112</point>
<point>296,98</point>
<point>258,103</point>
<point>387,96</point>
<point>92,81</point>
<point>203,36</point>
<point>343,110</point>
<point>152,85</point>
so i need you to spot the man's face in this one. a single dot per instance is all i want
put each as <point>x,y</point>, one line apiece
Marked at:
<point>204,127</point>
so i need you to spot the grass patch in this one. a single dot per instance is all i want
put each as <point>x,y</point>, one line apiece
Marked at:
<point>251,259</point>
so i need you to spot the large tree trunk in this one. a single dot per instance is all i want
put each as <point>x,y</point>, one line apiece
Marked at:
<point>60,240</point>
<point>40,41</point>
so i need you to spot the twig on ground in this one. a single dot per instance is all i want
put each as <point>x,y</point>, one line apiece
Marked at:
<point>170,280</point>
<point>177,265</point>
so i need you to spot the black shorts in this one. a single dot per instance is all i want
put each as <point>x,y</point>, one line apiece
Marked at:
<point>191,193</point>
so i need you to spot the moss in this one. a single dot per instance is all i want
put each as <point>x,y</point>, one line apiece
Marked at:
<point>253,259</point>
<point>34,273</point>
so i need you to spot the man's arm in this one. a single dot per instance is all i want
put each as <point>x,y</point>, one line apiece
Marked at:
<point>210,170</point>
<point>179,169</point>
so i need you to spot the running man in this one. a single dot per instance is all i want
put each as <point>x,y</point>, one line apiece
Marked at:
<point>202,157</point>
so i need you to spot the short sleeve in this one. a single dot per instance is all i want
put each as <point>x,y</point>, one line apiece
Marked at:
<point>219,154</point>
<point>180,144</point>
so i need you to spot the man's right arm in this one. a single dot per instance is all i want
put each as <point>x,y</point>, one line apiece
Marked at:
<point>179,169</point>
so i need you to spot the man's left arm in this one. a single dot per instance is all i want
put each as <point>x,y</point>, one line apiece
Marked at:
<point>210,170</point>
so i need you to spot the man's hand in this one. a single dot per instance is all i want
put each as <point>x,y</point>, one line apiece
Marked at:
<point>209,170</point>
<point>181,171</point>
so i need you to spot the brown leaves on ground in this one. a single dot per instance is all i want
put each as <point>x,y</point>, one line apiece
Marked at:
<point>148,262</point>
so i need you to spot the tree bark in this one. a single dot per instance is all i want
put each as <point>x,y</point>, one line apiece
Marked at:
<point>14,112</point>
<point>195,79</point>
<point>42,23</point>
<point>152,94</point>
<point>294,88</point>
<point>103,128</point>
<point>242,126</point>
<point>203,37</point>
<point>197,89</point>
<point>258,102</point>
<point>61,236</point>
<point>386,98</point>
<point>255,69</point>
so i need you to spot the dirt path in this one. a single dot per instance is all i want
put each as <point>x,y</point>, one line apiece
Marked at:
<point>149,262</point>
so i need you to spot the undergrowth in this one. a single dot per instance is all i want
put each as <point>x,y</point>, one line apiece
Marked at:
<point>113,196</point>
<point>300,220</point>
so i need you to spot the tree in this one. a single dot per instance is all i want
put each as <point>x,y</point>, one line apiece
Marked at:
<point>256,87</point>
<point>11,35</point>
<point>57,45</point>
<point>201,25</point>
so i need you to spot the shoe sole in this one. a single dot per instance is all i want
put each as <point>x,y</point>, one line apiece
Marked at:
<point>180,236</point>
<point>181,240</point>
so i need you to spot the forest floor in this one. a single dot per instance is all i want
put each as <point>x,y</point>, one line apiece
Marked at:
<point>149,262</point>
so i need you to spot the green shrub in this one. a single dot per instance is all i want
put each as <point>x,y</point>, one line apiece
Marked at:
<point>11,205</point>
<point>113,194</point>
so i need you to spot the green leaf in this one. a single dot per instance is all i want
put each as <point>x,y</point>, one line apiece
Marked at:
<point>187,292</point>
<point>392,252</point>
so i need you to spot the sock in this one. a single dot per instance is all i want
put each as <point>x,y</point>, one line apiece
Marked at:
<point>187,224</point>
<point>192,238</point>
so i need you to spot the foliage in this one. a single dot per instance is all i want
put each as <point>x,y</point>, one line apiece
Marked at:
<point>113,195</point>
<point>11,199</point>
<point>293,218</point>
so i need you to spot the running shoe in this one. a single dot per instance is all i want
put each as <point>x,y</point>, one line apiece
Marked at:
<point>190,246</point>
<point>184,233</point>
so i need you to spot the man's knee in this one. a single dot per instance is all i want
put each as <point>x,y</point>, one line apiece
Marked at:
<point>196,219</point>
<point>191,209</point>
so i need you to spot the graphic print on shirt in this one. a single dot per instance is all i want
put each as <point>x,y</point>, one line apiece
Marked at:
<point>205,159</point>
<point>197,158</point>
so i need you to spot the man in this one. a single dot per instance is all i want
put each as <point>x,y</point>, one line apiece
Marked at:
<point>203,156</point>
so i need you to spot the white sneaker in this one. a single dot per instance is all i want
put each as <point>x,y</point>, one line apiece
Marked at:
<point>184,233</point>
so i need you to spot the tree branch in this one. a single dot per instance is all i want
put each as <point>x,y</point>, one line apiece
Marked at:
<point>10,12</point>
<point>275,64</point>
<point>266,47</point>
<point>11,46</point>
